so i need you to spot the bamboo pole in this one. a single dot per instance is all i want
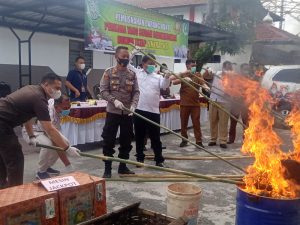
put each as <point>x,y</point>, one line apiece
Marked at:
<point>191,86</point>
<point>185,139</point>
<point>278,116</point>
<point>182,172</point>
<point>162,176</point>
<point>170,180</point>
<point>192,158</point>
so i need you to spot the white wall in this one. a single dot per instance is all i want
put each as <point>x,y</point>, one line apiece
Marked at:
<point>185,11</point>
<point>47,50</point>
<point>239,59</point>
<point>199,13</point>
<point>102,61</point>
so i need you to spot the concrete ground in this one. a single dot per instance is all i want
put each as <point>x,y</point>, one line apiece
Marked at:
<point>217,204</point>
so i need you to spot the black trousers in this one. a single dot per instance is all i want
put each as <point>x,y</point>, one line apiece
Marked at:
<point>112,124</point>
<point>141,128</point>
<point>11,158</point>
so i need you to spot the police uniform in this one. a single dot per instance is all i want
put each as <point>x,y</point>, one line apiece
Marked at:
<point>122,86</point>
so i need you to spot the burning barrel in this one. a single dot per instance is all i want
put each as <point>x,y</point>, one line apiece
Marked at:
<point>258,210</point>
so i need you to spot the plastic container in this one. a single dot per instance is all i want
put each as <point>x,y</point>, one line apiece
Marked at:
<point>183,200</point>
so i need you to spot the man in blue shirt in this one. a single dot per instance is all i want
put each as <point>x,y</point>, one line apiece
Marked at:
<point>77,81</point>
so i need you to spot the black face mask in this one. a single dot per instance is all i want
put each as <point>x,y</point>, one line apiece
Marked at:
<point>123,62</point>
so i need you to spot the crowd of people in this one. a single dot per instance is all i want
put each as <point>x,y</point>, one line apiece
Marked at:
<point>129,92</point>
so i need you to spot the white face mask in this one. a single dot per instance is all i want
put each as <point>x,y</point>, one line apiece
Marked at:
<point>82,66</point>
<point>55,94</point>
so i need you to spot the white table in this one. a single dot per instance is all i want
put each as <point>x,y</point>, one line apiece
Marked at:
<point>91,132</point>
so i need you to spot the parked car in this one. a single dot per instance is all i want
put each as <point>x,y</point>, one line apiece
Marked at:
<point>282,82</point>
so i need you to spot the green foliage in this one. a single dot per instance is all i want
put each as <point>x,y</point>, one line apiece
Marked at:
<point>237,17</point>
<point>239,20</point>
<point>204,54</point>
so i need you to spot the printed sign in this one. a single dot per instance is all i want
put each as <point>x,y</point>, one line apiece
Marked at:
<point>109,24</point>
<point>59,183</point>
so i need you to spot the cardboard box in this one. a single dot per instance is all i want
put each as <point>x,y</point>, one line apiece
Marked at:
<point>28,204</point>
<point>84,202</point>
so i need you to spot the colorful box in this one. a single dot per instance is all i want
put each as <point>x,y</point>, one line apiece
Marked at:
<point>28,204</point>
<point>84,202</point>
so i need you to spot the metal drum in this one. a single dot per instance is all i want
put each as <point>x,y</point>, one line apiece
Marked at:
<point>257,210</point>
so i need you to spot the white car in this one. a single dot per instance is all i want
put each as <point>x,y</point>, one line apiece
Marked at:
<point>282,82</point>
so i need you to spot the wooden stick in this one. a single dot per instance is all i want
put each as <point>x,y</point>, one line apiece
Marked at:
<point>185,139</point>
<point>182,172</point>
<point>200,158</point>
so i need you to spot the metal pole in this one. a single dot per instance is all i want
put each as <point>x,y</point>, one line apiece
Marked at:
<point>28,41</point>
<point>29,61</point>
<point>281,14</point>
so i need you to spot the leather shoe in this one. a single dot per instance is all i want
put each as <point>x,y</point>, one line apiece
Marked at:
<point>212,143</point>
<point>107,174</point>
<point>125,170</point>
<point>161,165</point>
<point>223,145</point>
<point>183,144</point>
<point>200,144</point>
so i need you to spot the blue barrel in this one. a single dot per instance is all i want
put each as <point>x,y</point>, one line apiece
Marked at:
<point>256,210</point>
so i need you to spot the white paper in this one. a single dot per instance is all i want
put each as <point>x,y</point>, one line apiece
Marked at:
<point>55,184</point>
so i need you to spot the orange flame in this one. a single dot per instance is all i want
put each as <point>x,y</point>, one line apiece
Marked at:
<point>266,176</point>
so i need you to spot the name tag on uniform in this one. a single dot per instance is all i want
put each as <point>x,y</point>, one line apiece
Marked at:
<point>82,89</point>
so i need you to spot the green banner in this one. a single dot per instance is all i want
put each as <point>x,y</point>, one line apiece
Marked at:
<point>109,24</point>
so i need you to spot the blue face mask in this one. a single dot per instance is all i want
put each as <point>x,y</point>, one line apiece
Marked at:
<point>193,69</point>
<point>65,112</point>
<point>151,68</point>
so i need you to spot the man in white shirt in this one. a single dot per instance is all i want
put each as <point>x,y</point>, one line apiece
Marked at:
<point>150,84</point>
<point>47,158</point>
<point>218,118</point>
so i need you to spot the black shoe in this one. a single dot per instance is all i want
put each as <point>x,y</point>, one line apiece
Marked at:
<point>161,165</point>
<point>107,170</point>
<point>212,143</point>
<point>123,169</point>
<point>230,142</point>
<point>107,174</point>
<point>183,144</point>
<point>140,161</point>
<point>200,144</point>
<point>53,171</point>
<point>223,145</point>
<point>42,175</point>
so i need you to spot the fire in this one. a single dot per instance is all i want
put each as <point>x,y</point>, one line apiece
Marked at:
<point>266,176</point>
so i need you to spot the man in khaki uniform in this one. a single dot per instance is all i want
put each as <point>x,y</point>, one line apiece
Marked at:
<point>189,102</point>
<point>217,117</point>
<point>119,87</point>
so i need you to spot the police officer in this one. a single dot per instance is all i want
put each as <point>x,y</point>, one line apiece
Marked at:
<point>120,88</point>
